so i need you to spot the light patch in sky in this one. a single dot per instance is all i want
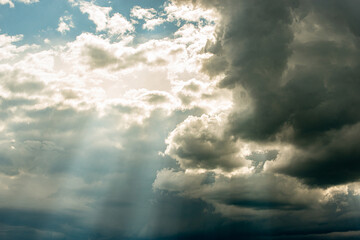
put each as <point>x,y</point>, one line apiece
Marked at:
<point>65,24</point>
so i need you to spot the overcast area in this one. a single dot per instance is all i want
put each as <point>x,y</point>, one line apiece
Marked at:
<point>179,119</point>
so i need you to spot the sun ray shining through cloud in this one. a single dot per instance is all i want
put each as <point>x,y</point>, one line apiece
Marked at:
<point>179,119</point>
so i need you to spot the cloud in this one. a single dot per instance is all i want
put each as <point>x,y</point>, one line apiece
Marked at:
<point>67,145</point>
<point>3,2</point>
<point>166,56</point>
<point>260,193</point>
<point>9,48</point>
<point>115,24</point>
<point>99,58</point>
<point>118,24</point>
<point>288,66</point>
<point>19,82</point>
<point>143,13</point>
<point>11,4</point>
<point>242,124</point>
<point>52,155</point>
<point>200,143</point>
<point>152,23</point>
<point>188,12</point>
<point>288,70</point>
<point>99,15</point>
<point>65,24</point>
<point>320,163</point>
<point>205,94</point>
<point>149,15</point>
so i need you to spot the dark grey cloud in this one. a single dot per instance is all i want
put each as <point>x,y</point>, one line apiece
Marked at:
<point>264,206</point>
<point>329,161</point>
<point>200,143</point>
<point>240,197</point>
<point>294,70</point>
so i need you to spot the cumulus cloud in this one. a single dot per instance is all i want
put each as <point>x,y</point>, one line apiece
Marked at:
<point>188,12</point>
<point>143,13</point>
<point>118,24</point>
<point>65,24</point>
<point>288,65</point>
<point>99,15</point>
<point>70,136</point>
<point>52,153</point>
<point>115,24</point>
<point>152,23</point>
<point>326,164</point>
<point>289,73</point>
<point>200,143</point>
<point>9,48</point>
<point>149,15</point>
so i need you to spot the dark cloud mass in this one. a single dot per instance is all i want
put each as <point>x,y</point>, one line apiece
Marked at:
<point>198,143</point>
<point>293,68</point>
<point>299,64</point>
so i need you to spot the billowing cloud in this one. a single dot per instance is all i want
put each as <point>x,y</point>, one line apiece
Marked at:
<point>9,48</point>
<point>60,149</point>
<point>289,70</point>
<point>69,136</point>
<point>199,143</point>
<point>115,24</point>
<point>288,65</point>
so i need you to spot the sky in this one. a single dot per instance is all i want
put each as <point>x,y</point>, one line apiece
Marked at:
<point>179,119</point>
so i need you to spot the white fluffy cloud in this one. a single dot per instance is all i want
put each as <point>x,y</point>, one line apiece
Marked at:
<point>149,15</point>
<point>115,24</point>
<point>99,15</point>
<point>189,12</point>
<point>118,24</point>
<point>150,24</point>
<point>65,24</point>
<point>143,13</point>
<point>11,4</point>
<point>9,49</point>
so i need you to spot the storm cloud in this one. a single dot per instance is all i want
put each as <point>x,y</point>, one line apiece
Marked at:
<point>293,67</point>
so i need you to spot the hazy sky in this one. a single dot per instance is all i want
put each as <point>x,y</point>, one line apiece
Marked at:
<point>179,119</point>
